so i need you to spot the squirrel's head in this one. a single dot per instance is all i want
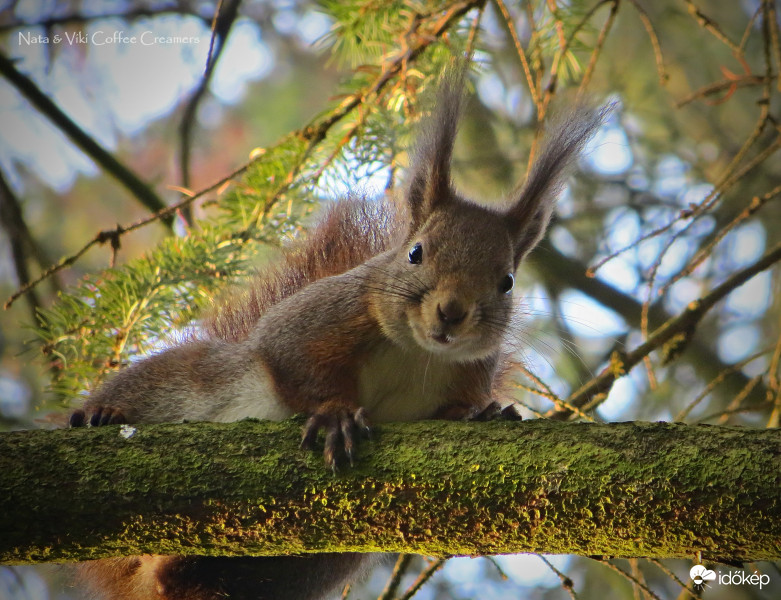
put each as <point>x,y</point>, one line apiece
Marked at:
<point>449,288</point>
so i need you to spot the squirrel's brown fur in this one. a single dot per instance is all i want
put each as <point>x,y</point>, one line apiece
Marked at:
<point>350,232</point>
<point>378,316</point>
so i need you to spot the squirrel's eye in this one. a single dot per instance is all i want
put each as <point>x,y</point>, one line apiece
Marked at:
<point>506,286</point>
<point>416,254</point>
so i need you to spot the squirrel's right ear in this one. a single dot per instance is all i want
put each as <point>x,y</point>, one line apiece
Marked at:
<point>430,183</point>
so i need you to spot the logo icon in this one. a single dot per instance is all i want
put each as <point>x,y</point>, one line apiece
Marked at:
<point>700,575</point>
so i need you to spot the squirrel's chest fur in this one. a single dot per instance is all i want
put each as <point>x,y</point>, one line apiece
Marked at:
<point>395,384</point>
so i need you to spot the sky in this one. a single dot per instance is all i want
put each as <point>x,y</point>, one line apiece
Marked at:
<point>81,79</point>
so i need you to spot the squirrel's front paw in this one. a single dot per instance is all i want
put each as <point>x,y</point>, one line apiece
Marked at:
<point>495,412</point>
<point>96,415</point>
<point>339,422</point>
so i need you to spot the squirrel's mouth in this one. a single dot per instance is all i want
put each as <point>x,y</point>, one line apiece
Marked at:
<point>450,346</point>
<point>445,342</point>
<point>441,338</point>
<point>434,340</point>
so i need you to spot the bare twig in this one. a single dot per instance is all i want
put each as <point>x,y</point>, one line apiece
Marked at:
<point>716,381</point>
<point>667,571</point>
<point>558,270</point>
<point>221,25</point>
<point>772,23</point>
<point>554,70</point>
<point>773,394</point>
<point>639,588</point>
<point>140,190</point>
<point>109,235</point>
<point>566,582</point>
<point>559,25</point>
<point>737,401</point>
<point>434,566</point>
<point>682,325</point>
<point>474,29</point>
<point>657,47</point>
<point>745,408</point>
<point>538,67</point>
<point>720,86</point>
<point>748,30</point>
<point>592,63</point>
<point>710,25</point>
<point>755,205</point>
<point>530,80</point>
<point>402,564</point>
<point>345,592</point>
<point>636,581</point>
<point>731,174</point>
<point>15,228</point>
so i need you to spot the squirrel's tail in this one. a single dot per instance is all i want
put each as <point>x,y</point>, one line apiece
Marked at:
<point>350,232</point>
<point>217,578</point>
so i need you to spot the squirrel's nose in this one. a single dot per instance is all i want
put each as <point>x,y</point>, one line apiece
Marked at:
<point>451,313</point>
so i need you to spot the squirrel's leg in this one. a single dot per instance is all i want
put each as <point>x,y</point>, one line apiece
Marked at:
<point>182,382</point>
<point>477,405</point>
<point>339,421</point>
<point>494,412</point>
<point>490,412</point>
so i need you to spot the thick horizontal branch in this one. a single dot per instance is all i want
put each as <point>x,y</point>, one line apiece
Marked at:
<point>436,488</point>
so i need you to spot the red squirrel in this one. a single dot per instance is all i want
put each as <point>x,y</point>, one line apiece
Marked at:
<point>381,315</point>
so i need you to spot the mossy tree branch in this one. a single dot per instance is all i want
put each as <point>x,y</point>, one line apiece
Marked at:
<point>437,488</point>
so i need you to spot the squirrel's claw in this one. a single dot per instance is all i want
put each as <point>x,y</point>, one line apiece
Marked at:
<point>511,413</point>
<point>339,424</point>
<point>105,415</point>
<point>77,418</point>
<point>97,416</point>
<point>494,411</point>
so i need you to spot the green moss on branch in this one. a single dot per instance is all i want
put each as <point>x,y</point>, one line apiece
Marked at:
<point>436,488</point>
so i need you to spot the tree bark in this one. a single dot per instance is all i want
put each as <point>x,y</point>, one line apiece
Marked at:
<point>436,488</point>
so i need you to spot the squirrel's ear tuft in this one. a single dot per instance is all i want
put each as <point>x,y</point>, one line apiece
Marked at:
<point>429,182</point>
<point>532,204</point>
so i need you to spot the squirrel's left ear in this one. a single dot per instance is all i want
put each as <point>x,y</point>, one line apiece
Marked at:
<point>430,184</point>
<point>528,222</point>
<point>532,204</point>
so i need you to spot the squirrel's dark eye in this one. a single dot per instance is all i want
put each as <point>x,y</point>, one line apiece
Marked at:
<point>506,286</point>
<point>416,254</point>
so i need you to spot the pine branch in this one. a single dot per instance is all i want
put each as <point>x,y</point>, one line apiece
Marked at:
<point>421,35</point>
<point>113,235</point>
<point>436,488</point>
<point>223,21</point>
